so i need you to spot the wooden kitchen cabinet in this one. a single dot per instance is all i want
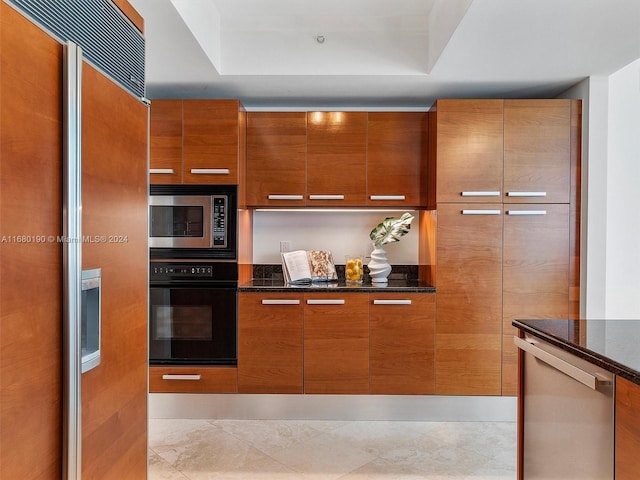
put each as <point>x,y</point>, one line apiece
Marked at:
<point>466,144</point>
<point>627,429</point>
<point>402,343</point>
<point>535,273</point>
<point>193,379</point>
<point>469,306</point>
<point>336,158</point>
<point>336,343</point>
<point>537,151</point>
<point>196,141</point>
<point>270,342</point>
<point>397,158</point>
<point>276,158</point>
<point>165,141</point>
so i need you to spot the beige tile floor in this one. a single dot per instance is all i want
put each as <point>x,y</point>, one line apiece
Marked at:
<point>330,450</point>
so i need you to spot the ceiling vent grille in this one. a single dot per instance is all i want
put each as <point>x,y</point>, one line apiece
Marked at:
<point>108,39</point>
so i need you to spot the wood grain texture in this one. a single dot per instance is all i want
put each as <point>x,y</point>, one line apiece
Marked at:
<point>397,157</point>
<point>276,157</point>
<point>627,430</point>
<point>336,157</point>
<point>165,140</point>
<point>576,208</point>
<point>402,344</point>
<point>269,344</point>
<point>537,149</point>
<point>535,273</point>
<point>212,380</point>
<point>211,139</point>
<point>30,272</point>
<point>469,306</point>
<point>469,149</point>
<point>114,184</point>
<point>242,157</point>
<point>336,344</point>
<point>131,13</point>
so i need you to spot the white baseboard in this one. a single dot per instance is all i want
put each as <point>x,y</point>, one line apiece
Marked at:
<point>333,407</point>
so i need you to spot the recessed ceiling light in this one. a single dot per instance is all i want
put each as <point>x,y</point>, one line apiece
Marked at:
<point>320,39</point>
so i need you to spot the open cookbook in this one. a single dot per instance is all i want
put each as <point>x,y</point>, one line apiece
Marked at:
<point>306,266</point>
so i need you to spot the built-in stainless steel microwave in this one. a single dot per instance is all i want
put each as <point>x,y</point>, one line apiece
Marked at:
<point>192,221</point>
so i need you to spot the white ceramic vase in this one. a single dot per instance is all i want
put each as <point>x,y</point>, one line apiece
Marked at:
<point>379,268</point>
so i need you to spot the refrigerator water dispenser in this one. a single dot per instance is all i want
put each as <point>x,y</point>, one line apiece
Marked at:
<point>91,318</point>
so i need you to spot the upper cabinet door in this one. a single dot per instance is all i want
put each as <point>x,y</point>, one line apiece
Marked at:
<point>211,141</point>
<point>336,158</point>
<point>468,136</point>
<point>276,158</point>
<point>537,151</point>
<point>165,145</point>
<point>397,159</point>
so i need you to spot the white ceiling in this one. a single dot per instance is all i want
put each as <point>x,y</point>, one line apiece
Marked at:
<point>381,53</point>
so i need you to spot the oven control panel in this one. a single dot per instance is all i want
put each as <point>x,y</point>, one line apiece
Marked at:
<point>193,272</point>
<point>181,271</point>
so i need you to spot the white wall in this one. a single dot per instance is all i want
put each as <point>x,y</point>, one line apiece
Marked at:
<point>623,195</point>
<point>341,232</point>
<point>610,248</point>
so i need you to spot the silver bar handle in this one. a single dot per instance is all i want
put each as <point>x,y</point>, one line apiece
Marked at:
<point>285,197</point>
<point>325,302</point>
<point>481,212</point>
<point>387,197</point>
<point>526,212</point>
<point>481,194</point>
<point>72,266</point>
<point>181,377</point>
<point>210,171</point>
<point>392,302</point>
<point>161,171</point>
<point>572,371</point>
<point>526,194</point>
<point>326,197</point>
<point>280,302</point>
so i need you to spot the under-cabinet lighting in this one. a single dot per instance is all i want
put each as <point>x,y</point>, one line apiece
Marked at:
<point>353,210</point>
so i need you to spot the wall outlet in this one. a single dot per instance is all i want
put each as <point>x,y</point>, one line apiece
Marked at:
<point>285,246</point>
<point>368,250</point>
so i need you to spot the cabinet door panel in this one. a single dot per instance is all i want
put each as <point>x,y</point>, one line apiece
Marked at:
<point>276,158</point>
<point>537,150</point>
<point>535,273</point>
<point>269,343</point>
<point>336,158</point>
<point>469,150</point>
<point>627,429</point>
<point>402,343</point>
<point>397,158</point>
<point>194,379</point>
<point>165,141</point>
<point>31,130</point>
<point>468,310</point>
<point>211,137</point>
<point>336,344</point>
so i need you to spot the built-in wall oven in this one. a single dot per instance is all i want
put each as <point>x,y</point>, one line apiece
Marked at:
<point>193,275</point>
<point>193,313</point>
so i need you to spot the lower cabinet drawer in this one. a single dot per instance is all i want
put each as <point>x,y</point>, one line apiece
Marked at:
<point>193,379</point>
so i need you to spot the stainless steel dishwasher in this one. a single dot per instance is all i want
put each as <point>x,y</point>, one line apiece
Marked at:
<point>568,415</point>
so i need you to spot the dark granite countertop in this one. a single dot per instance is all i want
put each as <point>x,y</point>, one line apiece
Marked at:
<point>611,344</point>
<point>278,285</point>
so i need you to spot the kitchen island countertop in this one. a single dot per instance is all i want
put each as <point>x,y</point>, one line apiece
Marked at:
<point>611,344</point>
<point>278,285</point>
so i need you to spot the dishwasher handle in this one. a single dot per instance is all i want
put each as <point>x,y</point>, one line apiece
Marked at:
<point>567,368</point>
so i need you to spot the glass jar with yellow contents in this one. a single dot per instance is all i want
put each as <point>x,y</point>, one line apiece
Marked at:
<point>353,269</point>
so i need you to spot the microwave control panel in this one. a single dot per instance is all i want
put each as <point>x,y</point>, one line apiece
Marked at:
<point>219,221</point>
